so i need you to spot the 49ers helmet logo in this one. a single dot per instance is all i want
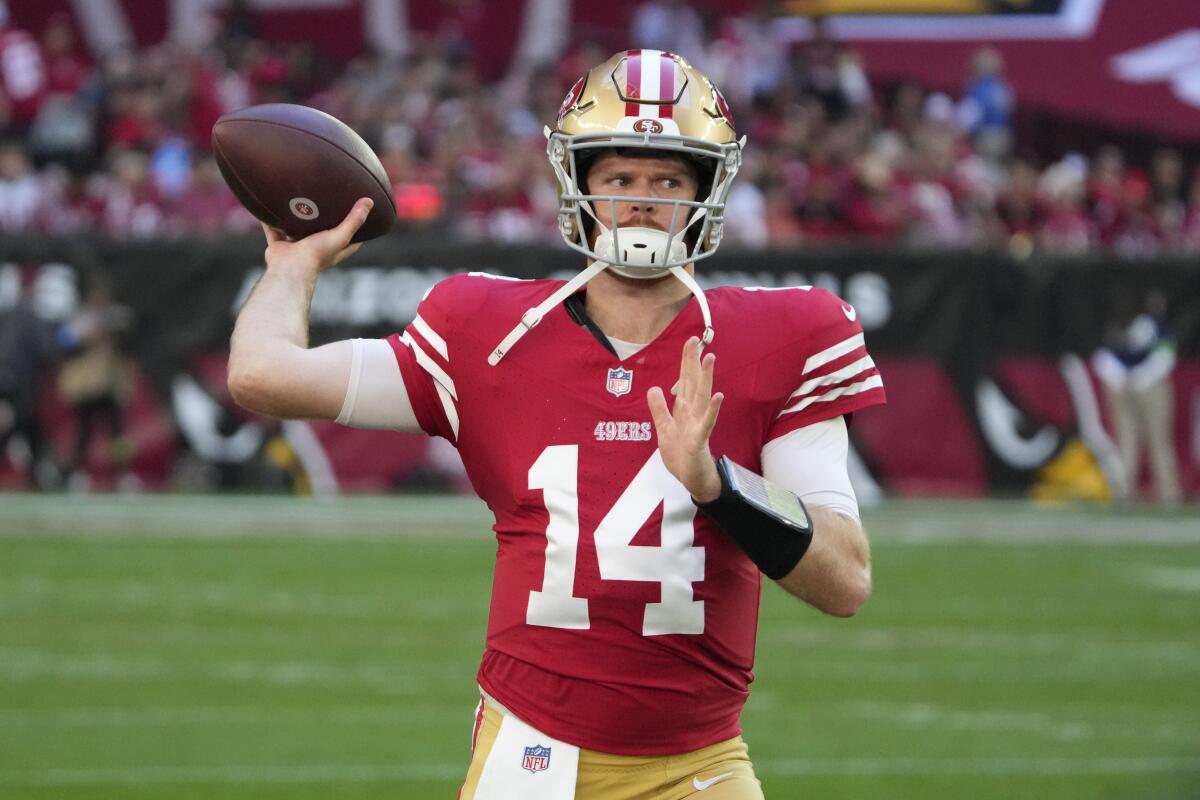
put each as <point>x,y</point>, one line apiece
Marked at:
<point>648,126</point>
<point>723,107</point>
<point>572,98</point>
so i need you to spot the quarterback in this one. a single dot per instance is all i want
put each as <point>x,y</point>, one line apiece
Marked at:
<point>660,448</point>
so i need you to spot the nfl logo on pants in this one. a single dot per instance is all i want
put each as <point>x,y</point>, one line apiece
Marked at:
<point>537,758</point>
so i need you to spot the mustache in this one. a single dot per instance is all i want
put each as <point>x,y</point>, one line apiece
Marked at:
<point>651,224</point>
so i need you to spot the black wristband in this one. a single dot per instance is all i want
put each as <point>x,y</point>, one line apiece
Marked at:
<point>769,523</point>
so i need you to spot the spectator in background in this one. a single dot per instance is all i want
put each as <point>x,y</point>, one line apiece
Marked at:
<point>1135,365</point>
<point>1020,211</point>
<point>831,73</point>
<point>504,206</point>
<point>21,193</point>
<point>130,205</point>
<point>985,110</point>
<point>670,25</point>
<point>95,380</point>
<point>206,207</point>
<point>66,71</point>
<point>1191,222</point>
<point>935,216</point>
<point>27,351</point>
<point>746,208</point>
<point>1135,232</point>
<point>22,76</point>
<point>875,208</point>
<point>1066,230</point>
<point>905,109</point>
<point>1168,194</point>
<point>71,206</point>
<point>753,56</point>
<point>1104,186</point>
<point>64,128</point>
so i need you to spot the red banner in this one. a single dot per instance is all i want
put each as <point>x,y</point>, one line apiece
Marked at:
<point>1121,62</point>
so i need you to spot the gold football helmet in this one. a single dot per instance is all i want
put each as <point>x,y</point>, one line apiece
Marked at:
<point>640,99</point>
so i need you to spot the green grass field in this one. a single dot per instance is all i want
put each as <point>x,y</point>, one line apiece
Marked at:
<point>273,648</point>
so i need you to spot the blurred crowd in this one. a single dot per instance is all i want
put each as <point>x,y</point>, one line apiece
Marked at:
<point>121,145</point>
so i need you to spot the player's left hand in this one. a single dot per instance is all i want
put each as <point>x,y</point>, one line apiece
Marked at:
<point>683,430</point>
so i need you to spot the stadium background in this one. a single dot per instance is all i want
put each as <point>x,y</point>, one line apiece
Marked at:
<point>160,642</point>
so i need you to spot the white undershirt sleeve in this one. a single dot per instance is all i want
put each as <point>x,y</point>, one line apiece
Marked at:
<point>376,397</point>
<point>811,461</point>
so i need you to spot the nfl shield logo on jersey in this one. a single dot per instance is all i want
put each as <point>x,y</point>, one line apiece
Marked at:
<point>537,758</point>
<point>620,381</point>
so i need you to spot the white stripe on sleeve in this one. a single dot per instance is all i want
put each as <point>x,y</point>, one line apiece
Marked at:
<point>833,394</point>
<point>837,351</point>
<point>429,365</point>
<point>431,336</point>
<point>442,381</point>
<point>837,376</point>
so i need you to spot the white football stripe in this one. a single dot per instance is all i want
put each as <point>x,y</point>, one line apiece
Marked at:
<point>429,365</point>
<point>431,336</point>
<point>650,74</point>
<point>837,351</point>
<point>834,394</point>
<point>837,376</point>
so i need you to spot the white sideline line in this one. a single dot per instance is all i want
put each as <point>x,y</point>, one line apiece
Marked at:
<point>1050,725</point>
<point>213,715</point>
<point>233,774</point>
<point>1170,579</point>
<point>919,715</point>
<point>200,517</point>
<point>1057,645</point>
<point>20,664</point>
<point>979,766</point>
<point>373,773</point>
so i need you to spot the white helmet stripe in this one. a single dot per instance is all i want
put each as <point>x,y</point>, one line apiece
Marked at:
<point>650,73</point>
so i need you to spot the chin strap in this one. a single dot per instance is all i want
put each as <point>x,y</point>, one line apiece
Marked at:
<point>533,316</point>
<point>690,282</point>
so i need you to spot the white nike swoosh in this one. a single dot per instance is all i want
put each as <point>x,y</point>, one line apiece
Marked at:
<point>849,312</point>
<point>702,785</point>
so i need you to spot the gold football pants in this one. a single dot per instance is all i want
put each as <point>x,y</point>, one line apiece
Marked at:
<point>718,772</point>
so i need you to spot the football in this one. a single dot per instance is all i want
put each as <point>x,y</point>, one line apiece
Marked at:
<point>300,170</point>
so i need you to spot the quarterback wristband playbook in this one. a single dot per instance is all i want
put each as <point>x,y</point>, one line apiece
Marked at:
<point>767,521</point>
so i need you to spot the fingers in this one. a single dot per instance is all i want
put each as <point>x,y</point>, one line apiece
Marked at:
<point>707,365</point>
<point>658,409</point>
<point>346,253</point>
<point>695,373</point>
<point>687,366</point>
<point>710,416</point>
<point>358,215</point>
<point>272,235</point>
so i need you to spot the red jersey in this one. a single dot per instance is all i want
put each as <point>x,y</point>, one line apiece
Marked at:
<point>622,620</point>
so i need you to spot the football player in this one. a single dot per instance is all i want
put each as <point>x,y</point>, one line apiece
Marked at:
<point>590,415</point>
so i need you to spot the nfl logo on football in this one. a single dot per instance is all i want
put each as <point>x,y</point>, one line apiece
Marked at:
<point>620,381</point>
<point>537,758</point>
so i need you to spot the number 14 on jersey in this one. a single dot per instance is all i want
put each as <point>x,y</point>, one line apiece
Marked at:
<point>675,564</point>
